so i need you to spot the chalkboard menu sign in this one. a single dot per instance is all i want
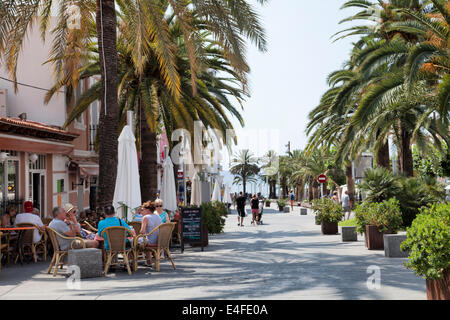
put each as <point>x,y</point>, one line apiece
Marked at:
<point>191,227</point>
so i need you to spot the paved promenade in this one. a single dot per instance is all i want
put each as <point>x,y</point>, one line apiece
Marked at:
<point>286,258</point>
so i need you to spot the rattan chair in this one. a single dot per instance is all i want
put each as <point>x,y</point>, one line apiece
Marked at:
<point>136,226</point>
<point>116,237</point>
<point>28,241</point>
<point>46,221</point>
<point>4,248</point>
<point>58,254</point>
<point>90,227</point>
<point>164,238</point>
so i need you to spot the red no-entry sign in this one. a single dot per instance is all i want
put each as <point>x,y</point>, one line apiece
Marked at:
<point>322,178</point>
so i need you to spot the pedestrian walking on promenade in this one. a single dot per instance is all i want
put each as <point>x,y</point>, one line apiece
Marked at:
<point>346,205</point>
<point>255,207</point>
<point>240,202</point>
<point>291,197</point>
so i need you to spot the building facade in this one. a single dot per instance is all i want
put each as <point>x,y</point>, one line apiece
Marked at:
<point>40,161</point>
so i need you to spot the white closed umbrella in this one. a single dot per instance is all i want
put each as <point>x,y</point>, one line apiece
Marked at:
<point>168,191</point>
<point>216,196</point>
<point>128,190</point>
<point>196,190</point>
<point>227,195</point>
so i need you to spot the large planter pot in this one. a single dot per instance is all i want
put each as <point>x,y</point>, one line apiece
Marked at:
<point>439,289</point>
<point>281,209</point>
<point>330,228</point>
<point>374,238</point>
<point>267,204</point>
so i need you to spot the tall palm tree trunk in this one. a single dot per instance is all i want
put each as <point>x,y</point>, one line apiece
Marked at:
<point>383,156</point>
<point>350,182</point>
<point>148,169</point>
<point>244,183</point>
<point>108,126</point>
<point>406,157</point>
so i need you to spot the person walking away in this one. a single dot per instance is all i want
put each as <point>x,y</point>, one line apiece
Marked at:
<point>291,196</point>
<point>254,202</point>
<point>335,197</point>
<point>346,204</point>
<point>240,203</point>
<point>261,208</point>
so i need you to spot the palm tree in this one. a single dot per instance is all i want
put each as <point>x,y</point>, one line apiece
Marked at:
<point>227,21</point>
<point>245,167</point>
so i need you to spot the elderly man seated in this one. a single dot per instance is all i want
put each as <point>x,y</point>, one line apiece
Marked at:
<point>31,216</point>
<point>67,225</point>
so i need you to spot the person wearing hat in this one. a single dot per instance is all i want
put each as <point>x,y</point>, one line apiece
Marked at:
<point>30,217</point>
<point>71,211</point>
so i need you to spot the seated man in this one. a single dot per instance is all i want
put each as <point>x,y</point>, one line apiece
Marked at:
<point>31,216</point>
<point>112,221</point>
<point>67,225</point>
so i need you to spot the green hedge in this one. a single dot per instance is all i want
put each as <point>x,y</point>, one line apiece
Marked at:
<point>213,215</point>
<point>386,215</point>
<point>327,210</point>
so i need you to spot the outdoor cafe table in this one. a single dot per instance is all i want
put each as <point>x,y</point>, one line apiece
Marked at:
<point>20,231</point>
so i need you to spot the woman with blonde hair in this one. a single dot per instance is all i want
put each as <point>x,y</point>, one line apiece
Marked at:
<point>160,211</point>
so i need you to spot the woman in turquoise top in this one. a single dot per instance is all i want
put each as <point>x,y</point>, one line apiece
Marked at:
<point>159,210</point>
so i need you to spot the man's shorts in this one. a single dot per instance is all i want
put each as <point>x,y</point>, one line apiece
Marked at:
<point>241,212</point>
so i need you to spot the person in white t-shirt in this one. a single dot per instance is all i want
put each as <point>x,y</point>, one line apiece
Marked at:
<point>30,216</point>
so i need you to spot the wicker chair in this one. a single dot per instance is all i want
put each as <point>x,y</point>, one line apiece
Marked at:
<point>58,254</point>
<point>46,221</point>
<point>4,248</point>
<point>90,227</point>
<point>28,241</point>
<point>116,237</point>
<point>164,238</point>
<point>136,226</point>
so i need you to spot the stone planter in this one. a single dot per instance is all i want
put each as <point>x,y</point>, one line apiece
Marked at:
<point>267,204</point>
<point>439,289</point>
<point>330,228</point>
<point>303,211</point>
<point>286,210</point>
<point>89,261</point>
<point>349,234</point>
<point>392,246</point>
<point>374,238</point>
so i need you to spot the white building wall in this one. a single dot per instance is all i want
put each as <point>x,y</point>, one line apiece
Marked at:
<point>31,71</point>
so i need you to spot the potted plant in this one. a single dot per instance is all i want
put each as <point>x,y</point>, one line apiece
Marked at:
<point>377,219</point>
<point>328,215</point>
<point>213,219</point>
<point>428,243</point>
<point>281,204</point>
<point>268,203</point>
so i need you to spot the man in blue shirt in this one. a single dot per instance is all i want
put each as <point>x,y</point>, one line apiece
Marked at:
<point>111,221</point>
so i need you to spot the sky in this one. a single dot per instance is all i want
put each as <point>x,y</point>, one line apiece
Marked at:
<point>287,81</point>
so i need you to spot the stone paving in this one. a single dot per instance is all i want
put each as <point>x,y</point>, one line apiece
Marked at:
<point>286,258</point>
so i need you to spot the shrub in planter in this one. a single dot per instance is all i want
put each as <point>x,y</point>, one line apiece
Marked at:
<point>281,204</point>
<point>428,243</point>
<point>328,214</point>
<point>267,203</point>
<point>213,216</point>
<point>376,219</point>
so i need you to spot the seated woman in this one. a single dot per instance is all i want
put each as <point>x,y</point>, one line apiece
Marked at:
<point>159,210</point>
<point>7,218</point>
<point>150,221</point>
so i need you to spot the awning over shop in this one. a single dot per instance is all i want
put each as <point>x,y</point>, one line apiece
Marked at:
<point>87,168</point>
<point>33,145</point>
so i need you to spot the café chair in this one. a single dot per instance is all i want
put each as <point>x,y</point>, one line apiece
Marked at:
<point>117,238</point>
<point>164,238</point>
<point>46,221</point>
<point>136,226</point>
<point>28,241</point>
<point>58,254</point>
<point>90,227</point>
<point>4,248</point>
